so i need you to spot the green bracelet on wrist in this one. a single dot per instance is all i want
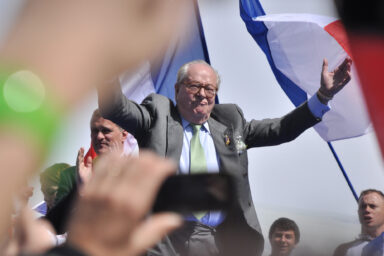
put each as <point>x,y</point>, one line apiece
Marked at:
<point>26,108</point>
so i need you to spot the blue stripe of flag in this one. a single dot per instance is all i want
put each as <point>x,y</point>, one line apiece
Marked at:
<point>185,50</point>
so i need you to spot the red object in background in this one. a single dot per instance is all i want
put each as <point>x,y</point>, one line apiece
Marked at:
<point>337,30</point>
<point>91,152</point>
<point>368,56</point>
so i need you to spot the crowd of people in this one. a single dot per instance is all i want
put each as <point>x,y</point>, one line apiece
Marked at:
<point>57,52</point>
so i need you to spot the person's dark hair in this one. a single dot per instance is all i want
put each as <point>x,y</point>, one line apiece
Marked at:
<point>96,115</point>
<point>371,190</point>
<point>285,224</point>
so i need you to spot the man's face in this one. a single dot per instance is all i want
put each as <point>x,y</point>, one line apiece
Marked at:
<point>282,242</point>
<point>106,136</point>
<point>196,107</point>
<point>371,211</point>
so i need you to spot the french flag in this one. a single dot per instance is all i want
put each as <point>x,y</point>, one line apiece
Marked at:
<point>295,46</point>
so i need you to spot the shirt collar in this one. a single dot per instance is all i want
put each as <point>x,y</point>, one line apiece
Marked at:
<point>185,124</point>
<point>365,237</point>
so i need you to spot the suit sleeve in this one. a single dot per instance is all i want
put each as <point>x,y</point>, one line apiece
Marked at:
<point>129,115</point>
<point>269,132</point>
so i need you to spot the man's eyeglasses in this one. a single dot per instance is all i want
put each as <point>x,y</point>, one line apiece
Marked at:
<point>196,87</point>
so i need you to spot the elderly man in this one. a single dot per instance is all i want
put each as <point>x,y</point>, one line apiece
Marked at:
<point>284,235</point>
<point>201,136</point>
<point>371,215</point>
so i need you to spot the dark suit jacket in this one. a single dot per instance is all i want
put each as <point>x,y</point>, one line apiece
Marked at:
<point>156,124</point>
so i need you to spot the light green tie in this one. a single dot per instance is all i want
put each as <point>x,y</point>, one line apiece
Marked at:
<point>198,163</point>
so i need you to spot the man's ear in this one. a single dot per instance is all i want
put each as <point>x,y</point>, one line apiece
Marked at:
<point>177,87</point>
<point>125,135</point>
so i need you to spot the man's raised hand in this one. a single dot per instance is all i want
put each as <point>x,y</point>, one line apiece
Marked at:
<point>83,169</point>
<point>333,81</point>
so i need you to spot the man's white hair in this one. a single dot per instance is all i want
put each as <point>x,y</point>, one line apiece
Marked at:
<point>183,71</point>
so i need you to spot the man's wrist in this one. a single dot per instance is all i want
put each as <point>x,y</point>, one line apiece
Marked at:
<point>317,108</point>
<point>323,98</point>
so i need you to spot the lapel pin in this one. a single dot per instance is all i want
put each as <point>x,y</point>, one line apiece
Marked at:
<point>227,141</point>
<point>239,144</point>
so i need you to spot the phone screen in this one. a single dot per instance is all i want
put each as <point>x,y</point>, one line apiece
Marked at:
<point>191,193</point>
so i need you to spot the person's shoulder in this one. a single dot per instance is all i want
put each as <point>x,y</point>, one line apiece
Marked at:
<point>342,249</point>
<point>228,114</point>
<point>227,109</point>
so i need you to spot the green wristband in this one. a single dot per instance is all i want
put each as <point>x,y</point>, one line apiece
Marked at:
<point>26,108</point>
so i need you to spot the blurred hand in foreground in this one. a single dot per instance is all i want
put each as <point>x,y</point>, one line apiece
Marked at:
<point>73,46</point>
<point>110,217</point>
<point>31,235</point>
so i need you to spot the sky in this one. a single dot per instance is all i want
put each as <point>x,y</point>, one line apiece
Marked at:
<point>300,179</point>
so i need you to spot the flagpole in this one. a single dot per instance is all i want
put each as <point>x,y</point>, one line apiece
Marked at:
<point>343,171</point>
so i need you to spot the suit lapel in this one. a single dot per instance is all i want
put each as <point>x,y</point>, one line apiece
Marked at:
<point>222,138</point>
<point>174,137</point>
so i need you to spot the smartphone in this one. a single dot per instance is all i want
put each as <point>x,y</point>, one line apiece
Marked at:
<point>199,192</point>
